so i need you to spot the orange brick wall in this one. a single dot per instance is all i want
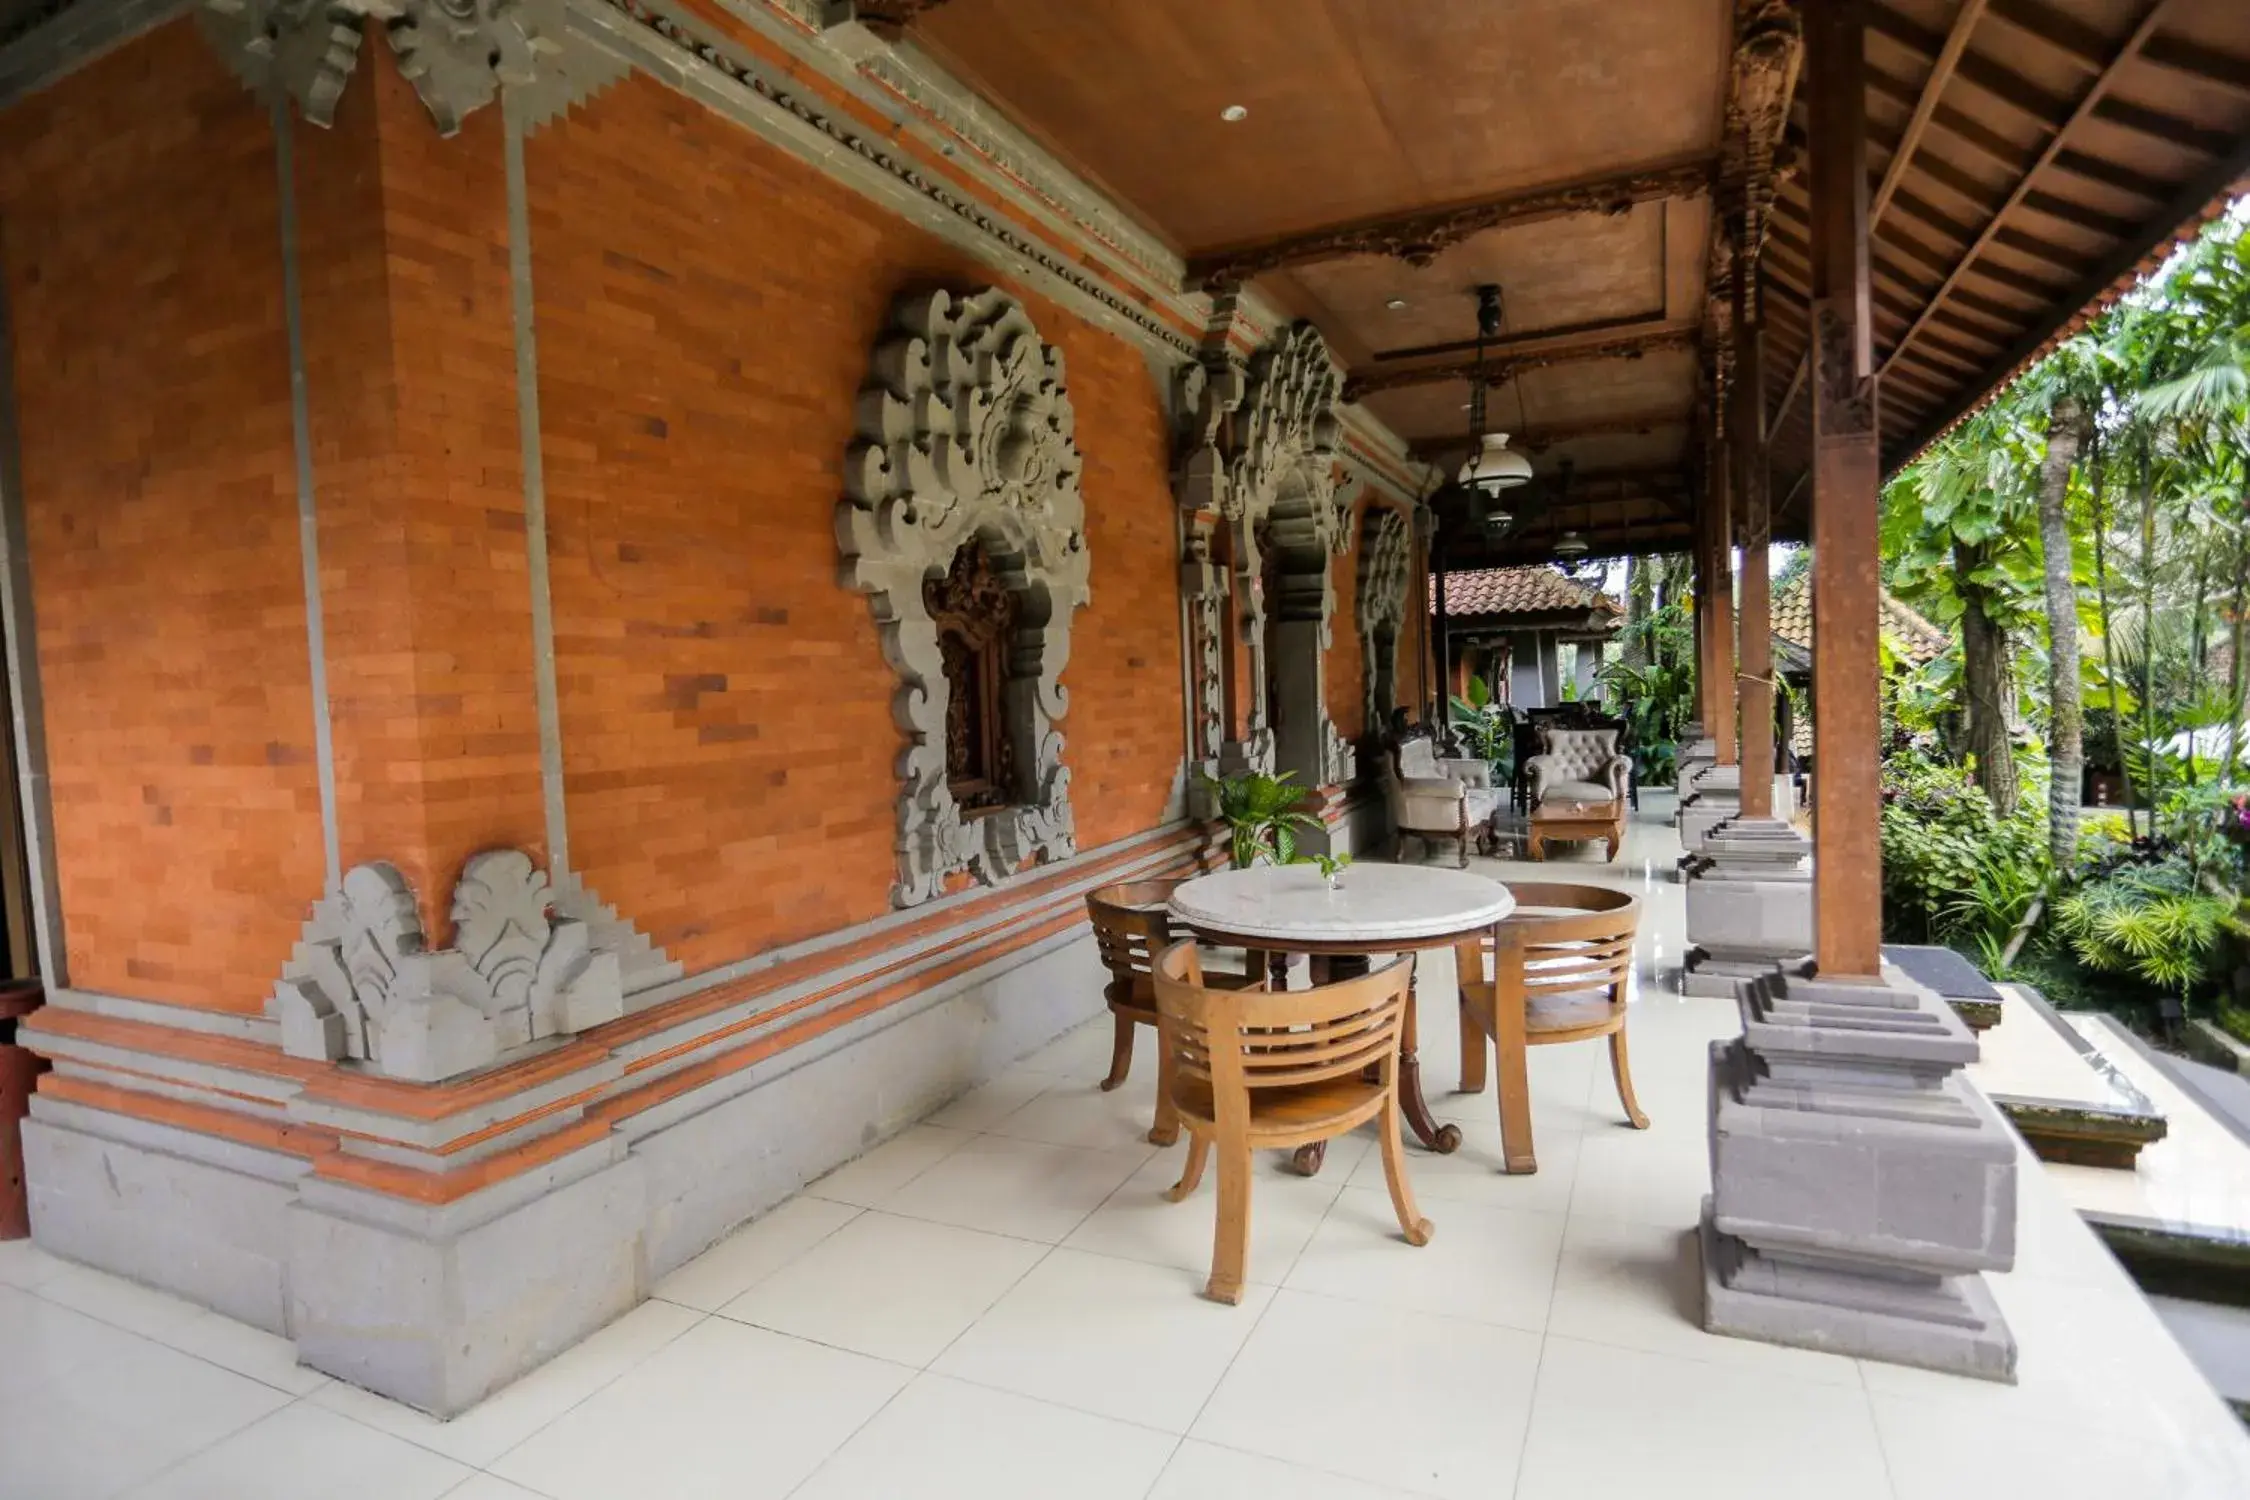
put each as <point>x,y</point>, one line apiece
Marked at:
<point>417,458</point>
<point>706,309</point>
<point>140,241</point>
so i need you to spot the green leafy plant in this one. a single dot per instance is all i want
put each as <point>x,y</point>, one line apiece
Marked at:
<point>2157,923</point>
<point>1262,813</point>
<point>1486,729</point>
<point>1331,865</point>
<point>1953,866</point>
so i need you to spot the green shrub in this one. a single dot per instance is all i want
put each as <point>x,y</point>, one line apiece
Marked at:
<point>1953,868</point>
<point>2158,923</point>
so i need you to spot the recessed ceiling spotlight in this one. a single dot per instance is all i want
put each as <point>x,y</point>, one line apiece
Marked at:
<point>1233,113</point>
<point>1396,304</point>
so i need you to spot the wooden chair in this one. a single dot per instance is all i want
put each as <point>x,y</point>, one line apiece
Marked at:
<point>1256,1069</point>
<point>1131,927</point>
<point>1559,973</point>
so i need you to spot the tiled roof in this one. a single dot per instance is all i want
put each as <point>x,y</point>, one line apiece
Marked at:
<point>1520,591</point>
<point>1911,636</point>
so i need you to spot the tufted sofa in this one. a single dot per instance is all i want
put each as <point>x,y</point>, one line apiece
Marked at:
<point>1578,765</point>
<point>1432,797</point>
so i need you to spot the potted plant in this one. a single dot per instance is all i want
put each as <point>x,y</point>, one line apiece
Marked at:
<point>1261,813</point>
<point>1331,867</point>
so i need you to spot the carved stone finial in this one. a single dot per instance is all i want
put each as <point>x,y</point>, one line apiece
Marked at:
<point>458,54</point>
<point>530,961</point>
<point>966,433</point>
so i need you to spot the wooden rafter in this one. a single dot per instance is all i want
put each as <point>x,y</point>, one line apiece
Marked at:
<point>1941,74</point>
<point>1512,357</point>
<point>888,19</point>
<point>1534,439</point>
<point>1418,238</point>
<point>2088,103</point>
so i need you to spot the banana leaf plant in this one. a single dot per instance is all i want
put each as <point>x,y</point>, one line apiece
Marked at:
<point>1261,812</point>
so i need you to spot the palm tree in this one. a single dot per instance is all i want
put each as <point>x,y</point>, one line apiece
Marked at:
<point>2067,389</point>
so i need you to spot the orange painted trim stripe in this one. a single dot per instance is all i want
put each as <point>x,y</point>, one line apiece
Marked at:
<point>308,1142</point>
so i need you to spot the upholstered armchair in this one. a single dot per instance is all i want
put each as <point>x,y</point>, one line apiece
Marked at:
<point>1432,797</point>
<point>1579,765</point>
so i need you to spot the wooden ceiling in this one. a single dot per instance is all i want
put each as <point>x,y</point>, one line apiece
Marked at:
<point>2025,157</point>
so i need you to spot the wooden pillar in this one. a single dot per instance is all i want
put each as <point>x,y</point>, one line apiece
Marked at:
<point>1847,846</point>
<point>1720,626</point>
<point>1746,418</point>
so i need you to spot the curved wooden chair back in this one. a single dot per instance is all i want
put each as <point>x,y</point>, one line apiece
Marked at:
<point>1242,1040</point>
<point>1566,940</point>
<point>1131,927</point>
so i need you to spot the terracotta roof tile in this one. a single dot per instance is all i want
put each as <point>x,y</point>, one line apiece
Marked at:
<point>1911,636</point>
<point>1520,591</point>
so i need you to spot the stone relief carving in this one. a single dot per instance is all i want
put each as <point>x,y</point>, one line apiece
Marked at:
<point>1385,561</point>
<point>530,960</point>
<point>1260,466</point>
<point>458,54</point>
<point>965,431</point>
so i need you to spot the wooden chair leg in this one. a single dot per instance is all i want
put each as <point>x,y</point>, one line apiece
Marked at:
<point>1230,1239</point>
<point>1165,1129</point>
<point>1624,1076</point>
<point>1417,1229</point>
<point>1120,1051</point>
<point>1199,1151</point>
<point>1472,1049</point>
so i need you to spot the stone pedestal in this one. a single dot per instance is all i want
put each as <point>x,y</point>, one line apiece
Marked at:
<point>1860,1184</point>
<point>1749,904</point>
<point>1697,750</point>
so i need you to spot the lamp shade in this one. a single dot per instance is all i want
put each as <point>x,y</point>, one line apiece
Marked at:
<point>1570,544</point>
<point>1495,466</point>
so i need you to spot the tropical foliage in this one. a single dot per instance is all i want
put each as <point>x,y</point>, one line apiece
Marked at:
<point>1262,815</point>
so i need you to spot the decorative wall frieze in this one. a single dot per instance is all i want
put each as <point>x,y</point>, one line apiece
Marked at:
<point>966,433</point>
<point>530,961</point>
<point>460,55</point>
<point>1386,559</point>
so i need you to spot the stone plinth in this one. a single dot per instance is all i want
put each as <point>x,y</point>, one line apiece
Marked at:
<point>1860,1184</point>
<point>1749,904</point>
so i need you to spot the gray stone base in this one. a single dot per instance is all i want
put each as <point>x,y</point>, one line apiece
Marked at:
<point>1722,976</point>
<point>1948,1323</point>
<point>437,1307</point>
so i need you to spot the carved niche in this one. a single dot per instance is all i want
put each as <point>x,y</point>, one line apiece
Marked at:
<point>966,438</point>
<point>1385,564</point>
<point>530,961</point>
<point>1259,467</point>
<point>458,54</point>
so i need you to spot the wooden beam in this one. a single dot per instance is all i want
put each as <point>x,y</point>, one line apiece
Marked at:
<point>1941,74</point>
<point>1512,357</point>
<point>2088,102</point>
<point>1753,680</point>
<point>1418,238</point>
<point>1847,833</point>
<point>2197,61</point>
<point>888,19</point>
<point>1533,439</point>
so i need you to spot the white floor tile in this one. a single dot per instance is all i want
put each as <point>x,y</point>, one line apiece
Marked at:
<point>1023,1188</point>
<point>726,1411</point>
<point>987,1105</point>
<point>1942,1451</point>
<point>1083,1052</point>
<point>1640,1286</point>
<point>1434,1405</point>
<point>1634,1174</point>
<point>890,1166</point>
<point>43,1341</point>
<point>491,1487</point>
<point>1613,1421</point>
<point>755,1251</point>
<point>513,1413</point>
<point>304,1450</point>
<point>1474,1174</point>
<point>25,1265</point>
<point>1113,1337</point>
<point>1075,1112</point>
<point>118,1302</point>
<point>898,1289</point>
<point>263,1356</point>
<point>1496,1265</point>
<point>948,1440</point>
<point>1285,1208</point>
<point>101,1427</point>
<point>1204,1471</point>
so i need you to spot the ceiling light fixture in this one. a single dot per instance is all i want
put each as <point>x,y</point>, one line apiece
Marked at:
<point>1234,114</point>
<point>1492,465</point>
<point>1571,545</point>
<point>1396,304</point>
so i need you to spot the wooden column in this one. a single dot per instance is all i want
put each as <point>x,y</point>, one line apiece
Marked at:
<point>1720,627</point>
<point>1847,847</point>
<point>1746,417</point>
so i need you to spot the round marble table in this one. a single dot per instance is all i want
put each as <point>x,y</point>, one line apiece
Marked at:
<point>1284,909</point>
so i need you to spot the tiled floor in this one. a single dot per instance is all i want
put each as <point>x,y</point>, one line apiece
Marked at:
<point>998,1304</point>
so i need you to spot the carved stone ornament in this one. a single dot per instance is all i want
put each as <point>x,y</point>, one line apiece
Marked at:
<point>965,432</point>
<point>1385,559</point>
<point>530,961</point>
<point>458,54</point>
